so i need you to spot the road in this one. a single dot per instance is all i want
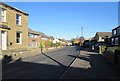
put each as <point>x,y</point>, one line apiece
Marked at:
<point>43,66</point>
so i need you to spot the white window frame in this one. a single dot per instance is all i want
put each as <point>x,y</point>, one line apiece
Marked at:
<point>116,41</point>
<point>118,30</point>
<point>2,15</point>
<point>114,32</point>
<point>112,41</point>
<point>35,36</point>
<point>19,19</point>
<point>19,38</point>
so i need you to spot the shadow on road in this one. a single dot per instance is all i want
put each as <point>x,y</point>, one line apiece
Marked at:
<point>100,69</point>
<point>53,59</point>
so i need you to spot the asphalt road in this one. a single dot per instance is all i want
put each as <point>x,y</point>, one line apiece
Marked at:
<point>43,66</point>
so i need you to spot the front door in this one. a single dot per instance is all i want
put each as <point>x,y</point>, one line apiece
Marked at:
<point>4,40</point>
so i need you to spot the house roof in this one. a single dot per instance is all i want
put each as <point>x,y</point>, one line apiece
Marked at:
<point>43,35</point>
<point>33,32</point>
<point>103,34</point>
<point>116,28</point>
<point>13,8</point>
<point>51,37</point>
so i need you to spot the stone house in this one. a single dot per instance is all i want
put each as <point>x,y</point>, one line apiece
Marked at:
<point>13,28</point>
<point>33,38</point>
<point>115,39</point>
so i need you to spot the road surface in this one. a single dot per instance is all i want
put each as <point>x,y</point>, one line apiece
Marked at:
<point>43,66</point>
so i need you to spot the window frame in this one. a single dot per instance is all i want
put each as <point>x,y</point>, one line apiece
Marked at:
<point>19,38</point>
<point>3,15</point>
<point>116,41</point>
<point>18,19</point>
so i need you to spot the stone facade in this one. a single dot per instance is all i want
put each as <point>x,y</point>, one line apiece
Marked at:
<point>16,34</point>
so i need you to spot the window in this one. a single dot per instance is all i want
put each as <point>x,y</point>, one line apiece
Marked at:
<point>116,41</point>
<point>35,44</point>
<point>18,19</point>
<point>112,41</point>
<point>2,15</point>
<point>18,37</point>
<point>35,36</point>
<point>30,35</point>
<point>118,31</point>
<point>114,32</point>
<point>30,44</point>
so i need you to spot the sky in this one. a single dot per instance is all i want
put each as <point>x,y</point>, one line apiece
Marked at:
<point>60,0</point>
<point>65,19</point>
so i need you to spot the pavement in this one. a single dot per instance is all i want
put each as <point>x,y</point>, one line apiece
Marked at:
<point>26,54</point>
<point>91,65</point>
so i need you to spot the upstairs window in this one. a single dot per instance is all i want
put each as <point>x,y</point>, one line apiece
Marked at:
<point>118,31</point>
<point>30,35</point>
<point>35,36</point>
<point>18,19</point>
<point>114,32</point>
<point>2,15</point>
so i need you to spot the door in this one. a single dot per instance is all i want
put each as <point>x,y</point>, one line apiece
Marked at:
<point>4,40</point>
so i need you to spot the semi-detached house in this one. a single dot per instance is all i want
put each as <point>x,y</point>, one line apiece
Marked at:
<point>115,39</point>
<point>13,28</point>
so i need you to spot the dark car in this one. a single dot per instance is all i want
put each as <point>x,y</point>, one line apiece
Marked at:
<point>98,45</point>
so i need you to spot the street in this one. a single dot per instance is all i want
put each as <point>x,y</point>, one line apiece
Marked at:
<point>51,65</point>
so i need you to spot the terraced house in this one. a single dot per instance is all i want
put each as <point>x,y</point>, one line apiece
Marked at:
<point>13,28</point>
<point>33,38</point>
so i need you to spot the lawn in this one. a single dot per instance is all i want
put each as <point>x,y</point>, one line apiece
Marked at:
<point>113,48</point>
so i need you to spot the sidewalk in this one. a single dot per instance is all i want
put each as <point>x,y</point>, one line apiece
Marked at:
<point>91,65</point>
<point>29,53</point>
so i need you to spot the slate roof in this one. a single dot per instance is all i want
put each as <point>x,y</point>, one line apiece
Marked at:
<point>116,28</point>
<point>33,32</point>
<point>103,34</point>
<point>13,8</point>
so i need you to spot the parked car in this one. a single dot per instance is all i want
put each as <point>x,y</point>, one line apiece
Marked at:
<point>99,44</point>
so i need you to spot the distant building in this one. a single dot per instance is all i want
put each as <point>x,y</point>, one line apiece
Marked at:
<point>101,36</point>
<point>115,39</point>
<point>82,40</point>
<point>50,38</point>
<point>33,38</point>
<point>43,37</point>
<point>56,40</point>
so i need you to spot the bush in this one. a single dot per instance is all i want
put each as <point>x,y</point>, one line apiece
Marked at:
<point>48,43</point>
